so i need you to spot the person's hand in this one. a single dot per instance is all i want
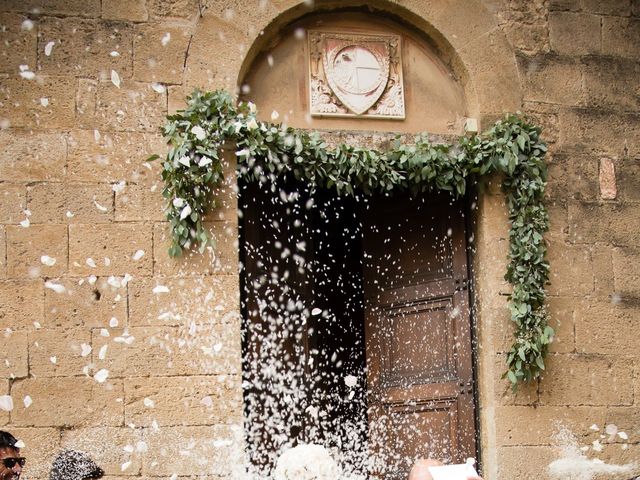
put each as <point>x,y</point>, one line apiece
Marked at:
<point>420,470</point>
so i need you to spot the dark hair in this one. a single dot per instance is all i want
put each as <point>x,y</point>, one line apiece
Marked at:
<point>7,440</point>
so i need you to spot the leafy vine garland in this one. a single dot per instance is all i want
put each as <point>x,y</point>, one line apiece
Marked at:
<point>192,171</point>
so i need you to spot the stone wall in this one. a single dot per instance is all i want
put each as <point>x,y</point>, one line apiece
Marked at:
<point>75,188</point>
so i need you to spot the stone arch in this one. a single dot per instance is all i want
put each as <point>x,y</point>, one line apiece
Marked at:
<point>465,33</point>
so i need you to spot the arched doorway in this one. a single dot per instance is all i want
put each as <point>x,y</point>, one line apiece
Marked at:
<point>357,328</point>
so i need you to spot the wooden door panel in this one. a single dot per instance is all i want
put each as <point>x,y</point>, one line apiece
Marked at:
<point>418,336</point>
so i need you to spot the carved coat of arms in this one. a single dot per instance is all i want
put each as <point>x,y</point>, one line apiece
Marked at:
<point>355,75</point>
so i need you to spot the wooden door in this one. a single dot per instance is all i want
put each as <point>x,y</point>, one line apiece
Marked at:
<point>418,335</point>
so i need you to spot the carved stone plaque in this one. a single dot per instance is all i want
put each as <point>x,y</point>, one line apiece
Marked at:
<point>355,75</point>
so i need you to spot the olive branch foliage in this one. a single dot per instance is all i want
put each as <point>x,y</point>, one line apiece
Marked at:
<point>192,172</point>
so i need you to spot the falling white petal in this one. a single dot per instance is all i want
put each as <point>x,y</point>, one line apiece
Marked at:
<point>47,260</point>
<point>6,403</point>
<point>115,78</point>
<point>85,350</point>
<point>101,375</point>
<point>160,289</point>
<point>138,255</point>
<point>27,401</point>
<point>48,48</point>
<point>56,287</point>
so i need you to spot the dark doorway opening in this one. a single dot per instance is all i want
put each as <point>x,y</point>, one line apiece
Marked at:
<point>356,326</point>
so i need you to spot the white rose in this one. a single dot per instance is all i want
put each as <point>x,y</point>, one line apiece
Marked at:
<point>199,132</point>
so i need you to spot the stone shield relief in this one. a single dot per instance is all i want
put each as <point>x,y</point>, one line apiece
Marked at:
<point>355,75</point>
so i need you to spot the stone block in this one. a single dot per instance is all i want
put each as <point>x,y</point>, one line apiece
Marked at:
<point>602,270</point>
<point>209,451</point>
<point>70,203</point>
<point>593,129</point>
<point>572,379</point>
<point>162,9</point>
<point>21,303</point>
<point>603,326</point>
<point>571,271</point>
<point>574,33</point>
<point>551,79</point>
<point>125,10</point>
<point>132,107</point>
<point>517,425</point>
<point>31,156</point>
<point>58,353</point>
<point>13,203</point>
<point>140,202</point>
<point>14,355</point>
<point>191,400</point>
<point>610,82</point>
<point>561,319</point>
<point>110,247</point>
<point>22,105</point>
<point>525,462</point>
<point>610,7</point>
<point>19,45</point>
<point>160,52</point>
<point>220,258</point>
<point>573,176</point>
<point>114,156</point>
<point>620,36</point>
<point>26,246</point>
<point>89,302</point>
<point>86,99</point>
<point>78,401</point>
<point>212,298</point>
<point>82,8</point>
<point>607,223</point>
<point>83,48</point>
<point>626,271</point>
<point>196,349</point>
<point>106,446</point>
<point>628,179</point>
<point>558,220</point>
<point>40,447</point>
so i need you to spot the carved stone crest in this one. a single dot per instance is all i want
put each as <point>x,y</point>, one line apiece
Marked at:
<point>355,75</point>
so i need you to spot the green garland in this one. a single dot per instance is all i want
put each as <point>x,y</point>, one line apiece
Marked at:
<point>192,172</point>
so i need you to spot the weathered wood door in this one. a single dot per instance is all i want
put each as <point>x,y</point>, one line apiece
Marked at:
<point>418,333</point>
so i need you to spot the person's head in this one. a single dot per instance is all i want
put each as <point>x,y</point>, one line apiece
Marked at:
<point>11,462</point>
<point>74,465</point>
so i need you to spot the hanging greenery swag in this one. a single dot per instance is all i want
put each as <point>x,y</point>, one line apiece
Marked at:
<point>192,172</point>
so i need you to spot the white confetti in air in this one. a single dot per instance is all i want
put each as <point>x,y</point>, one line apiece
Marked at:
<point>350,381</point>
<point>102,353</point>
<point>160,289</point>
<point>186,211</point>
<point>69,214</point>
<point>25,223</point>
<point>19,444</point>
<point>27,401</point>
<point>594,427</point>
<point>623,435</point>
<point>101,375</point>
<point>611,429</point>
<point>100,207</point>
<point>128,448</point>
<point>53,360</point>
<point>138,255</point>
<point>85,350</point>
<point>113,323</point>
<point>157,87</point>
<point>48,48</point>
<point>207,401</point>
<point>115,78</point>
<point>165,39</point>
<point>56,287</point>
<point>6,403</point>
<point>125,465</point>
<point>104,332</point>
<point>119,187</point>
<point>141,446</point>
<point>148,403</point>
<point>114,53</point>
<point>27,25</point>
<point>596,445</point>
<point>204,161</point>
<point>199,132</point>
<point>27,75</point>
<point>316,311</point>
<point>47,260</point>
<point>92,279</point>
<point>44,101</point>
<point>274,116</point>
<point>91,262</point>
<point>115,282</point>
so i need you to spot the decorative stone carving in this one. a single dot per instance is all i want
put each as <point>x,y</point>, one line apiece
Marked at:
<point>355,75</point>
